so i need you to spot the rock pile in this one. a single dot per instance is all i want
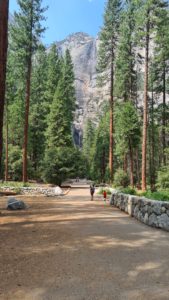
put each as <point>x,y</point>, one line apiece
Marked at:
<point>151,212</point>
<point>50,192</point>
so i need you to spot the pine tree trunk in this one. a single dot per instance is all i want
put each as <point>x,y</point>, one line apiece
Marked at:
<point>125,163</point>
<point>26,126</point>
<point>138,169</point>
<point>164,116</point>
<point>4,4</point>
<point>133,92</point>
<point>152,146</point>
<point>144,141</point>
<point>111,120</point>
<point>27,101</point>
<point>103,165</point>
<point>111,144</point>
<point>131,71</point>
<point>160,154</point>
<point>131,165</point>
<point>6,160</point>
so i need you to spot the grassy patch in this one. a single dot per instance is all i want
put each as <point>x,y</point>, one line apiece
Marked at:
<point>160,195</point>
<point>128,190</point>
<point>15,184</point>
<point>100,192</point>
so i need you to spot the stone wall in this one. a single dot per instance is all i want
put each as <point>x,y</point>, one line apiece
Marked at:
<point>55,191</point>
<point>151,212</point>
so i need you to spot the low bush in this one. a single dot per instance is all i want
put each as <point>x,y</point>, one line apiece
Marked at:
<point>61,163</point>
<point>160,195</point>
<point>100,192</point>
<point>129,190</point>
<point>121,178</point>
<point>163,178</point>
<point>15,184</point>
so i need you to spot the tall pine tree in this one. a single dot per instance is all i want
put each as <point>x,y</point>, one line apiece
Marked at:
<point>106,61</point>
<point>4,4</point>
<point>125,77</point>
<point>54,65</point>
<point>146,22</point>
<point>127,133</point>
<point>26,32</point>
<point>59,144</point>
<point>161,58</point>
<point>39,109</point>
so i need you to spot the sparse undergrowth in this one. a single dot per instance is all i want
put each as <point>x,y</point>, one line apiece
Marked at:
<point>15,184</point>
<point>159,195</point>
<point>128,190</point>
<point>100,192</point>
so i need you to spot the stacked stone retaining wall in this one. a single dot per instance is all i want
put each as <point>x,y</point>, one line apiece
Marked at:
<point>151,212</point>
<point>55,191</point>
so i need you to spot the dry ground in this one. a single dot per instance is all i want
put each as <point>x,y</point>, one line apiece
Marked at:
<point>70,248</point>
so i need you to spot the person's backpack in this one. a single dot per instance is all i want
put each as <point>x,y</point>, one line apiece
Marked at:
<point>92,189</point>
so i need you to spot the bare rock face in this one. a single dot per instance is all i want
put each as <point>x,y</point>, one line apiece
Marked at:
<point>83,49</point>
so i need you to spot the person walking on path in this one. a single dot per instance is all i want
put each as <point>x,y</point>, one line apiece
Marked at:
<point>92,190</point>
<point>104,195</point>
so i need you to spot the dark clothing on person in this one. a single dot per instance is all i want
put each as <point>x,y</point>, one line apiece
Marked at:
<point>92,190</point>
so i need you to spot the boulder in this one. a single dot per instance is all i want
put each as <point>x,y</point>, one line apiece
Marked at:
<point>58,191</point>
<point>14,204</point>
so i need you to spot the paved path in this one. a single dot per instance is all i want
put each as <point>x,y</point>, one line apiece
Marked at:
<point>74,249</point>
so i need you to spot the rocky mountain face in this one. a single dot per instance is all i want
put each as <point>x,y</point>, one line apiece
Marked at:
<point>89,98</point>
<point>83,49</point>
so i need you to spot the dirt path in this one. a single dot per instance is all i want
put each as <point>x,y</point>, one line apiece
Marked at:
<point>70,248</point>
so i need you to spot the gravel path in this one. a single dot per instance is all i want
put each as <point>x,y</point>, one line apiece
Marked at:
<point>70,248</point>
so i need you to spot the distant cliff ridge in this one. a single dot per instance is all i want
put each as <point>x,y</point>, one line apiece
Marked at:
<point>83,49</point>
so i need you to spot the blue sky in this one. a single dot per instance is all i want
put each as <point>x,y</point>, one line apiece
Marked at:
<point>69,16</point>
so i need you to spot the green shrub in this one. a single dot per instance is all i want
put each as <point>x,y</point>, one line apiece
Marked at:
<point>128,190</point>
<point>100,192</point>
<point>163,178</point>
<point>61,163</point>
<point>15,184</point>
<point>26,184</point>
<point>17,190</point>
<point>121,178</point>
<point>161,195</point>
<point>15,163</point>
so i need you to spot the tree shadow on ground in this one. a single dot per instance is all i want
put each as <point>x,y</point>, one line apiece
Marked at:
<point>84,251</point>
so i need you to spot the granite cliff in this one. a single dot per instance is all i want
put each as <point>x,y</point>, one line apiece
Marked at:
<point>83,49</point>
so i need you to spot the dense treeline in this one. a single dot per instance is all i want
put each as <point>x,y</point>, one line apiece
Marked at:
<point>131,144</point>
<point>4,7</point>
<point>40,104</point>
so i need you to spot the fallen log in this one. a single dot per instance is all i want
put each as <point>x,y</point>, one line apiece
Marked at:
<point>7,193</point>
